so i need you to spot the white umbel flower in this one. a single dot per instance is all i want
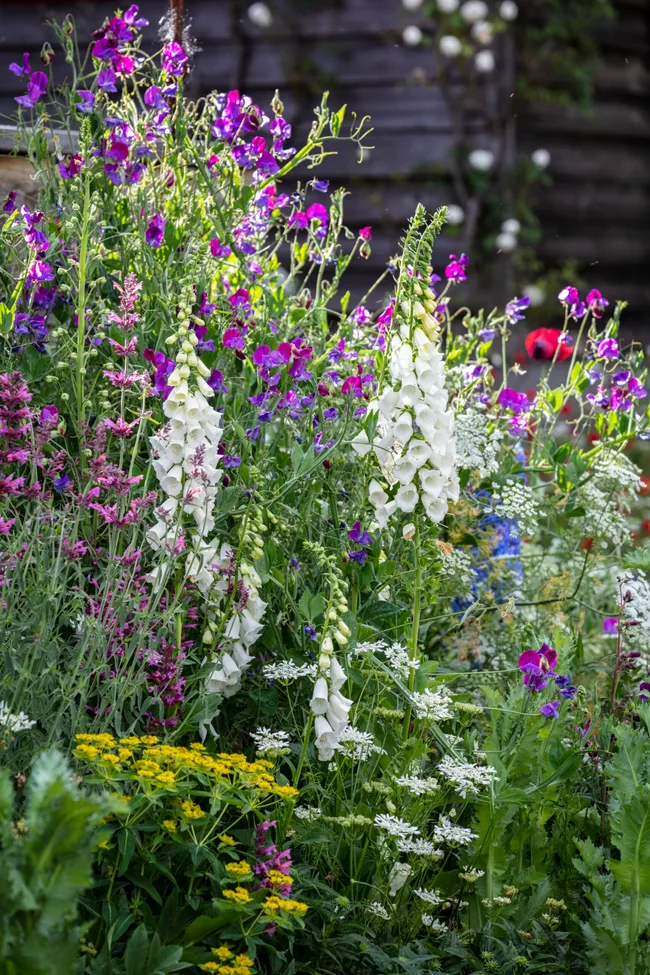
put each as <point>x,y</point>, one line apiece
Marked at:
<point>455,215</point>
<point>14,723</point>
<point>484,62</point>
<point>505,242</point>
<point>481,160</point>
<point>541,158</point>
<point>474,10</point>
<point>269,742</point>
<point>260,15</point>
<point>508,10</point>
<point>447,6</point>
<point>412,35</point>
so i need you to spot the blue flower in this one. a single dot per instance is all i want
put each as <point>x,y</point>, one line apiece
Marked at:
<point>550,710</point>
<point>310,631</point>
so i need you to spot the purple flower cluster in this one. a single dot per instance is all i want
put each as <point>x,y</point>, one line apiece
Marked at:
<point>363,540</point>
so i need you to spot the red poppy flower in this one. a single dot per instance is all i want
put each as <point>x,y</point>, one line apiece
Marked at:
<point>543,343</point>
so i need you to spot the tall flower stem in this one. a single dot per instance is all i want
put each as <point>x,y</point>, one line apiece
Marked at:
<point>81,311</point>
<point>417,609</point>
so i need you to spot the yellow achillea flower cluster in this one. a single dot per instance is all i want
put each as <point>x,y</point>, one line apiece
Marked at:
<point>273,904</point>
<point>168,766</point>
<point>236,965</point>
<point>238,896</point>
<point>239,869</point>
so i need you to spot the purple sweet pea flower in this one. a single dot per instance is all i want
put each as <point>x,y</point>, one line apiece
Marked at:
<point>49,416</point>
<point>174,58</point>
<point>155,232</point>
<point>550,710</point>
<point>9,204</point>
<point>72,167</point>
<point>131,18</point>
<point>298,221</point>
<point>359,557</point>
<point>569,296</point>
<point>310,631</point>
<point>320,185</point>
<point>538,666</point>
<point>231,461</point>
<point>510,399</point>
<point>360,536</point>
<point>610,626</point>
<point>17,69</point>
<point>636,390</point>
<point>569,692</point>
<point>233,339</point>
<point>40,271</point>
<point>35,89</point>
<point>215,381</point>
<point>106,80</point>
<point>163,368</point>
<point>87,101</point>
<point>515,309</point>
<point>62,483</point>
<point>607,349</point>
<point>487,334</point>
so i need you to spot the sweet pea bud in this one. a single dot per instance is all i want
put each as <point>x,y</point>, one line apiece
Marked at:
<point>327,646</point>
<point>67,27</point>
<point>47,54</point>
<point>324,661</point>
<point>340,638</point>
<point>277,104</point>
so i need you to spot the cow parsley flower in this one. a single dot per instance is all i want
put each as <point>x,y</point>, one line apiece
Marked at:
<point>420,847</point>
<point>447,832</point>
<point>516,501</point>
<point>430,896</point>
<point>416,785</point>
<point>477,447</point>
<point>358,745</point>
<point>14,722</point>
<point>465,777</point>
<point>271,742</point>
<point>288,670</point>
<point>395,826</point>
<point>309,813</point>
<point>378,910</point>
<point>434,925</point>
<point>432,705</point>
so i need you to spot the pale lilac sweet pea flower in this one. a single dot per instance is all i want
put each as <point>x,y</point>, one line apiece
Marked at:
<point>35,89</point>
<point>19,70</point>
<point>87,101</point>
<point>106,80</point>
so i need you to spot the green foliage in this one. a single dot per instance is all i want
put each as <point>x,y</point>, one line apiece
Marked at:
<point>47,840</point>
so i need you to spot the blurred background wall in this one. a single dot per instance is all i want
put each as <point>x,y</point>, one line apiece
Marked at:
<point>564,113</point>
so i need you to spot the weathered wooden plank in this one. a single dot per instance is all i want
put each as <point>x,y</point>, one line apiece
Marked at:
<point>611,119</point>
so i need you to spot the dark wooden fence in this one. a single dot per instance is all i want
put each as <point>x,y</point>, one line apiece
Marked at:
<point>596,211</point>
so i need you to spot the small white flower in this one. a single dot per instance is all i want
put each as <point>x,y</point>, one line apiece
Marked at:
<point>432,705</point>
<point>14,722</point>
<point>455,215</point>
<point>481,159</point>
<point>412,35</point>
<point>474,10</point>
<point>288,670</point>
<point>434,925</point>
<point>260,15</point>
<point>430,896</point>
<point>309,813</point>
<point>420,847</point>
<point>541,158</point>
<point>447,6</point>
<point>417,786</point>
<point>511,226</point>
<point>398,876</point>
<point>378,910</point>
<point>484,62</point>
<point>505,242</point>
<point>359,745</point>
<point>395,826</point>
<point>266,740</point>
<point>447,832</point>
<point>467,779</point>
<point>508,10</point>
<point>450,46</point>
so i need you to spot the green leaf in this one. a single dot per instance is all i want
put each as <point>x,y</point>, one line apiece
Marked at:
<point>135,957</point>
<point>6,320</point>
<point>126,844</point>
<point>145,884</point>
<point>562,453</point>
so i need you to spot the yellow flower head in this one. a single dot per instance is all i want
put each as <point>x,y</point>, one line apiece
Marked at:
<point>239,869</point>
<point>277,877</point>
<point>86,751</point>
<point>166,778</point>
<point>132,740</point>
<point>239,895</point>
<point>145,773</point>
<point>191,810</point>
<point>169,825</point>
<point>102,741</point>
<point>227,840</point>
<point>110,759</point>
<point>222,953</point>
<point>125,754</point>
<point>285,791</point>
<point>210,966</point>
<point>243,961</point>
<point>149,740</point>
<point>196,746</point>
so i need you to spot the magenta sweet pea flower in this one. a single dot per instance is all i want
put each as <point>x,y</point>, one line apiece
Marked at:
<point>49,416</point>
<point>538,666</point>
<point>365,233</point>
<point>510,399</point>
<point>607,349</point>
<point>455,270</point>
<point>233,339</point>
<point>217,249</point>
<point>610,626</point>
<point>298,221</point>
<point>155,232</point>
<point>596,303</point>
<point>174,58</point>
<point>72,167</point>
